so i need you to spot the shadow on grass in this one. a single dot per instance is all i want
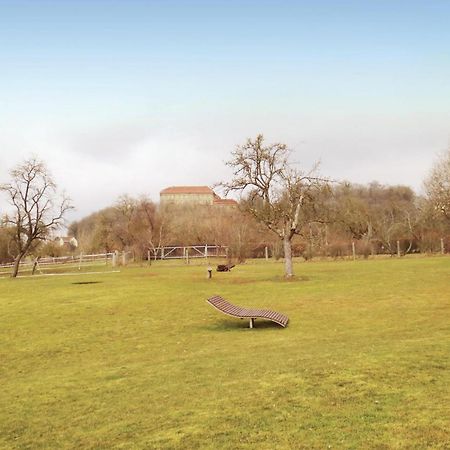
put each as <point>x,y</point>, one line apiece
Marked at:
<point>87,282</point>
<point>276,279</point>
<point>259,324</point>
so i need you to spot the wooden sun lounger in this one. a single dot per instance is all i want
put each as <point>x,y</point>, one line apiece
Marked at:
<point>243,313</point>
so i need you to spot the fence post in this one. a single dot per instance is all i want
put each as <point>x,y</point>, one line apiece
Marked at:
<point>353,250</point>
<point>114,258</point>
<point>266,253</point>
<point>398,249</point>
<point>442,246</point>
<point>124,258</point>
<point>80,261</point>
<point>206,251</point>
<point>35,263</point>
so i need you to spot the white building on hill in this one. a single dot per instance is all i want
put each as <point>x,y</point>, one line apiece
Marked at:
<point>193,195</point>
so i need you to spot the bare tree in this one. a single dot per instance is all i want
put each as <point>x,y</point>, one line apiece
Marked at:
<point>37,210</point>
<point>277,194</point>
<point>138,226</point>
<point>437,185</point>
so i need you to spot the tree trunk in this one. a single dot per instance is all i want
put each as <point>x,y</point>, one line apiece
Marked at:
<point>35,263</point>
<point>287,245</point>
<point>16,265</point>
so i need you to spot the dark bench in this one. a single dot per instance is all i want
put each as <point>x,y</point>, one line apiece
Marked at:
<point>224,267</point>
<point>243,313</point>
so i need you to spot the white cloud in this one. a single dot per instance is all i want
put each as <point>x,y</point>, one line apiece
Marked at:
<point>96,164</point>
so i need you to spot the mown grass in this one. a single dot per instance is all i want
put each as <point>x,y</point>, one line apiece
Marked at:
<point>139,360</point>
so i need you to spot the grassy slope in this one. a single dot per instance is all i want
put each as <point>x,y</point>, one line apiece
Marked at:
<point>139,360</point>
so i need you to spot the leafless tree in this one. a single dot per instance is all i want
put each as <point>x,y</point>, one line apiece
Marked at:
<point>437,185</point>
<point>275,192</point>
<point>137,225</point>
<point>37,209</point>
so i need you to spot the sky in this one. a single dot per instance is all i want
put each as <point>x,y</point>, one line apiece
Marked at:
<point>133,96</point>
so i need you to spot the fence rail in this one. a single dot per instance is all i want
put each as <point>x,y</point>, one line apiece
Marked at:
<point>61,263</point>
<point>81,258</point>
<point>188,252</point>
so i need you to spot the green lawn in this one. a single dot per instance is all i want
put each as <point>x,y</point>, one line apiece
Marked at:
<point>139,360</point>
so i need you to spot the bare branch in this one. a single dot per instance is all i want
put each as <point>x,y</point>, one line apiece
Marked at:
<point>272,190</point>
<point>32,193</point>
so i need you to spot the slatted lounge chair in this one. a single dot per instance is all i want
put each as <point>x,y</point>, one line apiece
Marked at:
<point>243,313</point>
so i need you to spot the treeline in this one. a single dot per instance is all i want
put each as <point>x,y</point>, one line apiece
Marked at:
<point>305,216</point>
<point>141,226</point>
<point>374,217</point>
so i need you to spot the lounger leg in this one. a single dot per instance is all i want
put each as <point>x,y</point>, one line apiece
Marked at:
<point>252,322</point>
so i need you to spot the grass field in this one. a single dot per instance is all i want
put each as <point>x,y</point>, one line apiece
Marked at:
<point>137,359</point>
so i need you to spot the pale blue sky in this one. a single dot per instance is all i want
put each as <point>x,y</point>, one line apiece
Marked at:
<point>131,96</point>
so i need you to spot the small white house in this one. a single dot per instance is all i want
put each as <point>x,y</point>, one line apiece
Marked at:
<point>68,241</point>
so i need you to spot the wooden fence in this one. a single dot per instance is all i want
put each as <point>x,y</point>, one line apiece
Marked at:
<point>50,264</point>
<point>192,251</point>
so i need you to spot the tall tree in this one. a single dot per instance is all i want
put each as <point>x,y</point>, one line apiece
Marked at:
<point>138,226</point>
<point>37,208</point>
<point>437,185</point>
<point>276,193</point>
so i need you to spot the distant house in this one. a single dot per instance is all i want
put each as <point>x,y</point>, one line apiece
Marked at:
<point>224,202</point>
<point>66,241</point>
<point>193,195</point>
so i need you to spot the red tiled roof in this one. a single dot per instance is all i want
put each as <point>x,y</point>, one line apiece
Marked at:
<point>187,190</point>
<point>225,201</point>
